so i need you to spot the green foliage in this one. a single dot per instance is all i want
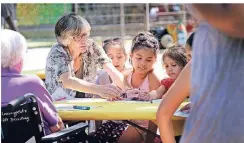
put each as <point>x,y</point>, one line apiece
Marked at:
<point>38,14</point>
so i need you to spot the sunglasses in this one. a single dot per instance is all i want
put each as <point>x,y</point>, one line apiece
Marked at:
<point>112,40</point>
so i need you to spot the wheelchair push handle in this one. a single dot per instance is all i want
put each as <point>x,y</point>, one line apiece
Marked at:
<point>14,104</point>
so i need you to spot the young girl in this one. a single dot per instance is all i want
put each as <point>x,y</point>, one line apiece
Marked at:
<point>143,56</point>
<point>174,60</point>
<point>115,50</point>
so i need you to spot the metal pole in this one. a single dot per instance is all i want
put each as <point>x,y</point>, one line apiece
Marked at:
<point>184,20</point>
<point>167,7</point>
<point>76,8</point>
<point>147,25</point>
<point>65,8</point>
<point>122,21</point>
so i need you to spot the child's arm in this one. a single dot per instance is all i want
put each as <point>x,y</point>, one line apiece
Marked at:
<point>157,94</point>
<point>154,84</point>
<point>127,71</point>
<point>173,98</point>
<point>117,77</point>
<point>154,81</point>
<point>103,79</point>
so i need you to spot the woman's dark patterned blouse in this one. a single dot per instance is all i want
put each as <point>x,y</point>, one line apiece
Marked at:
<point>59,61</point>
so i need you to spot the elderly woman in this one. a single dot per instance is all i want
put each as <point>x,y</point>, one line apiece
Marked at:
<point>72,63</point>
<point>13,50</point>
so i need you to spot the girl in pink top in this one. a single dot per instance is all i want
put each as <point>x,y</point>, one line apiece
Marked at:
<point>143,57</point>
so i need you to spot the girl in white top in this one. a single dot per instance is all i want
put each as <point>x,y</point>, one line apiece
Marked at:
<point>115,50</point>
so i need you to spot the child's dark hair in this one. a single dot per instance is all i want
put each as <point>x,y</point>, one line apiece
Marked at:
<point>113,41</point>
<point>176,53</point>
<point>190,40</point>
<point>145,40</point>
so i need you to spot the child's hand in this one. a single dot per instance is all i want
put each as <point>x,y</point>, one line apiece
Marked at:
<point>114,98</point>
<point>153,95</point>
<point>186,108</point>
<point>132,93</point>
<point>144,96</point>
<point>138,94</point>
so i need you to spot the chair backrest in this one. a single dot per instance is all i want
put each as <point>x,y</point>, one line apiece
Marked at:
<point>22,123</point>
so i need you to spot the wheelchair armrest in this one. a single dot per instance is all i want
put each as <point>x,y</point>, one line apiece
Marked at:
<point>64,133</point>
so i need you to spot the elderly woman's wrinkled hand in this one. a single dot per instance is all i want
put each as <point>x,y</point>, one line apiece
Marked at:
<point>109,91</point>
<point>59,126</point>
<point>60,123</point>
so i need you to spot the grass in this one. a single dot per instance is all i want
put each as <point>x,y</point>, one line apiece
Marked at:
<point>43,43</point>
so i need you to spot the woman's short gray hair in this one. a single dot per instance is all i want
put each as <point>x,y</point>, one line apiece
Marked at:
<point>70,25</point>
<point>13,48</point>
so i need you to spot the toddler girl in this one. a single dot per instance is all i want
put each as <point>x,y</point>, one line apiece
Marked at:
<point>174,60</point>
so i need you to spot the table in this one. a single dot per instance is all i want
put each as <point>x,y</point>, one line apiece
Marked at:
<point>41,74</point>
<point>114,110</point>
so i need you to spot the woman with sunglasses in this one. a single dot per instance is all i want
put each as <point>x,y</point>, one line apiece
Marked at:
<point>73,61</point>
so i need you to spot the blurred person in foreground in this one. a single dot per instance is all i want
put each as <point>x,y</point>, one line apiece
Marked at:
<point>216,80</point>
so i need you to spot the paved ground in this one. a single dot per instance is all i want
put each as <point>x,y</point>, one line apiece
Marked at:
<point>35,59</point>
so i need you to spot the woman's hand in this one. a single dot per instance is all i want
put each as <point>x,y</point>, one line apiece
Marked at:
<point>60,123</point>
<point>109,91</point>
<point>59,126</point>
